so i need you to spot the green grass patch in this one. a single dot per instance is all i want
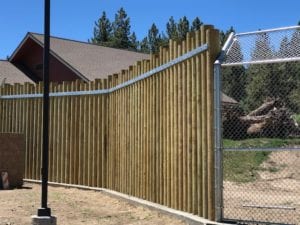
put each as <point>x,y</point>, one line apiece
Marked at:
<point>261,143</point>
<point>242,166</point>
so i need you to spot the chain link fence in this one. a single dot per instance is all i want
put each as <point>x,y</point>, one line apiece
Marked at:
<point>262,186</point>
<point>261,127</point>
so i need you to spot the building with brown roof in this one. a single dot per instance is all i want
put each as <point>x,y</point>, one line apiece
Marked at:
<point>71,60</point>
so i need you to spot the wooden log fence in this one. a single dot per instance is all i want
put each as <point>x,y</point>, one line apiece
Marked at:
<point>152,139</point>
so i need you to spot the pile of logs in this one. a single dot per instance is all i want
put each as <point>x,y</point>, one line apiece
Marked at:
<point>271,119</point>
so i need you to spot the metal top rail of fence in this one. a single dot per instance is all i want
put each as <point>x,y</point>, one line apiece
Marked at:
<point>264,46</point>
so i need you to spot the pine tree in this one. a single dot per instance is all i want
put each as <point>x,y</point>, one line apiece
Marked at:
<point>144,46</point>
<point>293,72</point>
<point>183,28</point>
<point>153,39</point>
<point>102,31</point>
<point>196,24</point>
<point>284,48</point>
<point>263,49</point>
<point>234,77</point>
<point>172,31</point>
<point>133,42</point>
<point>264,79</point>
<point>288,75</point>
<point>163,39</point>
<point>295,41</point>
<point>121,30</point>
<point>224,35</point>
<point>274,80</point>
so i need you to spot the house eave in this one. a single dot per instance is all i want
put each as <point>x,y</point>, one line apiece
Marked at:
<point>29,35</point>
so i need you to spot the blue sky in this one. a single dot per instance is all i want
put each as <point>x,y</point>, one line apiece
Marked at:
<point>75,19</point>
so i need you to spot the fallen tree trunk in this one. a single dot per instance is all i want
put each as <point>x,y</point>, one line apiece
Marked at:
<point>254,119</point>
<point>264,108</point>
<point>256,128</point>
<point>271,119</point>
<point>276,123</point>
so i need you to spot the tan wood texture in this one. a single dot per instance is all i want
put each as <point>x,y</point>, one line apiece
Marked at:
<point>152,139</point>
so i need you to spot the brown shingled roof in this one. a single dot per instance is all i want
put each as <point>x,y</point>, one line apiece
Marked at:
<point>89,60</point>
<point>11,74</point>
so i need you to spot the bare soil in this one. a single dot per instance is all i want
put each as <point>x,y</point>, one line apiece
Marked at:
<point>273,197</point>
<point>72,206</point>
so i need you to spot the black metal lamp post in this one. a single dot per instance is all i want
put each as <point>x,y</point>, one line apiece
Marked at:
<point>44,210</point>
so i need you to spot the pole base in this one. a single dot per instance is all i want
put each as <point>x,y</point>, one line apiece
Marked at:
<point>44,212</point>
<point>43,220</point>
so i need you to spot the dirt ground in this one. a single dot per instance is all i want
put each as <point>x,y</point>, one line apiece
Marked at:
<point>73,207</point>
<point>273,197</point>
<point>278,185</point>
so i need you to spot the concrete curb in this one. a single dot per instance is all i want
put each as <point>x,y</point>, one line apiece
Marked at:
<point>188,217</point>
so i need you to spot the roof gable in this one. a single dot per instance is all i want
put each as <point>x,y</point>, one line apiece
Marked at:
<point>87,60</point>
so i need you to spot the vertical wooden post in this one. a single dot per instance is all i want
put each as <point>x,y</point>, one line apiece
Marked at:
<point>175,126</point>
<point>31,129</point>
<point>130,141</point>
<point>157,61</point>
<point>212,37</point>
<point>78,133</point>
<point>139,132</point>
<point>164,129</point>
<point>198,124</point>
<point>97,137</point>
<point>193,132</point>
<point>184,130</point>
<point>109,134</point>
<point>144,128</point>
<point>55,136</point>
<point>189,125</point>
<point>168,191</point>
<point>81,137</point>
<point>63,146</point>
<point>26,127</point>
<point>204,124</point>
<point>126,134</point>
<point>39,128</point>
<point>72,126</point>
<point>34,132</point>
<point>180,129</point>
<point>91,127</point>
<point>67,133</point>
<point>105,138</point>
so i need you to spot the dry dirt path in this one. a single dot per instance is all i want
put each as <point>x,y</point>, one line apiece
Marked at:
<point>73,207</point>
<point>278,185</point>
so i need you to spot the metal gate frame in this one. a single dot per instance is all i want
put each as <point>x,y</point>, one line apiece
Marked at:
<point>219,201</point>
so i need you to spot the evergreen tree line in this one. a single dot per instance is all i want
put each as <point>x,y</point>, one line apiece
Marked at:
<point>249,85</point>
<point>118,34</point>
